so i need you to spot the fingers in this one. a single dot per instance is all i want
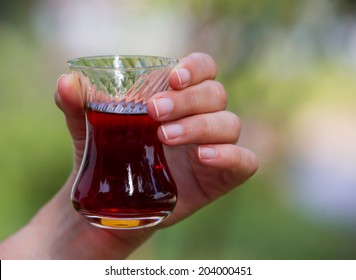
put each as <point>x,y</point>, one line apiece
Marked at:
<point>242,163</point>
<point>69,100</point>
<point>218,127</point>
<point>193,69</point>
<point>208,96</point>
<point>193,111</point>
<point>227,156</point>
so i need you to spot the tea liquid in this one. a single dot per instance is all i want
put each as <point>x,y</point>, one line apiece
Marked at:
<point>124,180</point>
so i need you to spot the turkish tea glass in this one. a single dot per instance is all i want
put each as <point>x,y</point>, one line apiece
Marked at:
<point>124,181</point>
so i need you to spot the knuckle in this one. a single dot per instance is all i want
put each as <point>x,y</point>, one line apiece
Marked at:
<point>235,123</point>
<point>205,63</point>
<point>192,101</point>
<point>254,164</point>
<point>236,155</point>
<point>216,92</point>
<point>210,95</point>
<point>247,161</point>
<point>210,62</point>
<point>237,158</point>
<point>243,164</point>
<point>221,94</point>
<point>233,159</point>
<point>203,126</point>
<point>213,65</point>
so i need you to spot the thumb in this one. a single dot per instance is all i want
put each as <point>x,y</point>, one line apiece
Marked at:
<point>68,98</point>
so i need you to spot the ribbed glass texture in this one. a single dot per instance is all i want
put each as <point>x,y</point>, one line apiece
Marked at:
<point>121,84</point>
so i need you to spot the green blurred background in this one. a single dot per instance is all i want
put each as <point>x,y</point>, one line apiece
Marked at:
<point>289,68</point>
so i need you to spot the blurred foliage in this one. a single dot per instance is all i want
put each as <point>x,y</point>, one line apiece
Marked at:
<point>35,154</point>
<point>274,56</point>
<point>15,11</point>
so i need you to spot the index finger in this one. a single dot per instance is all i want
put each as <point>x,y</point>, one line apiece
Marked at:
<point>192,70</point>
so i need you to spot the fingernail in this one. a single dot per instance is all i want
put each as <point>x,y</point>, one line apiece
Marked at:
<point>172,131</point>
<point>162,106</point>
<point>206,153</point>
<point>183,76</point>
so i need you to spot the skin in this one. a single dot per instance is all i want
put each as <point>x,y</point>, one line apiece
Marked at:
<point>198,133</point>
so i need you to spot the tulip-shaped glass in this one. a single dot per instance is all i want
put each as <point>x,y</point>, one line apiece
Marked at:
<point>124,181</point>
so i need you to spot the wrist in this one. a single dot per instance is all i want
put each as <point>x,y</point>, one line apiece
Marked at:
<point>72,237</point>
<point>58,232</point>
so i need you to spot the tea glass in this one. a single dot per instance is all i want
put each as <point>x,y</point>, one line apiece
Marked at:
<point>124,181</point>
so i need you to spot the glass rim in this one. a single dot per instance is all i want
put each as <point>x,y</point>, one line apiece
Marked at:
<point>74,63</point>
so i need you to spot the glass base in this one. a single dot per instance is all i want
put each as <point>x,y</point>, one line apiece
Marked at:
<point>126,221</point>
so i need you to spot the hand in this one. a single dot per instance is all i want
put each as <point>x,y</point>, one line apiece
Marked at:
<point>200,138</point>
<point>200,135</point>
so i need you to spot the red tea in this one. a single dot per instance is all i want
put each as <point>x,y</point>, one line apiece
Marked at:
<point>124,181</point>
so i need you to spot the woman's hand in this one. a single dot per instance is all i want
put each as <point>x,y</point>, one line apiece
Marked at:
<point>199,133</point>
<point>200,136</point>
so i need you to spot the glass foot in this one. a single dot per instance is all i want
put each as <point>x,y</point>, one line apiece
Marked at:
<point>126,221</point>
